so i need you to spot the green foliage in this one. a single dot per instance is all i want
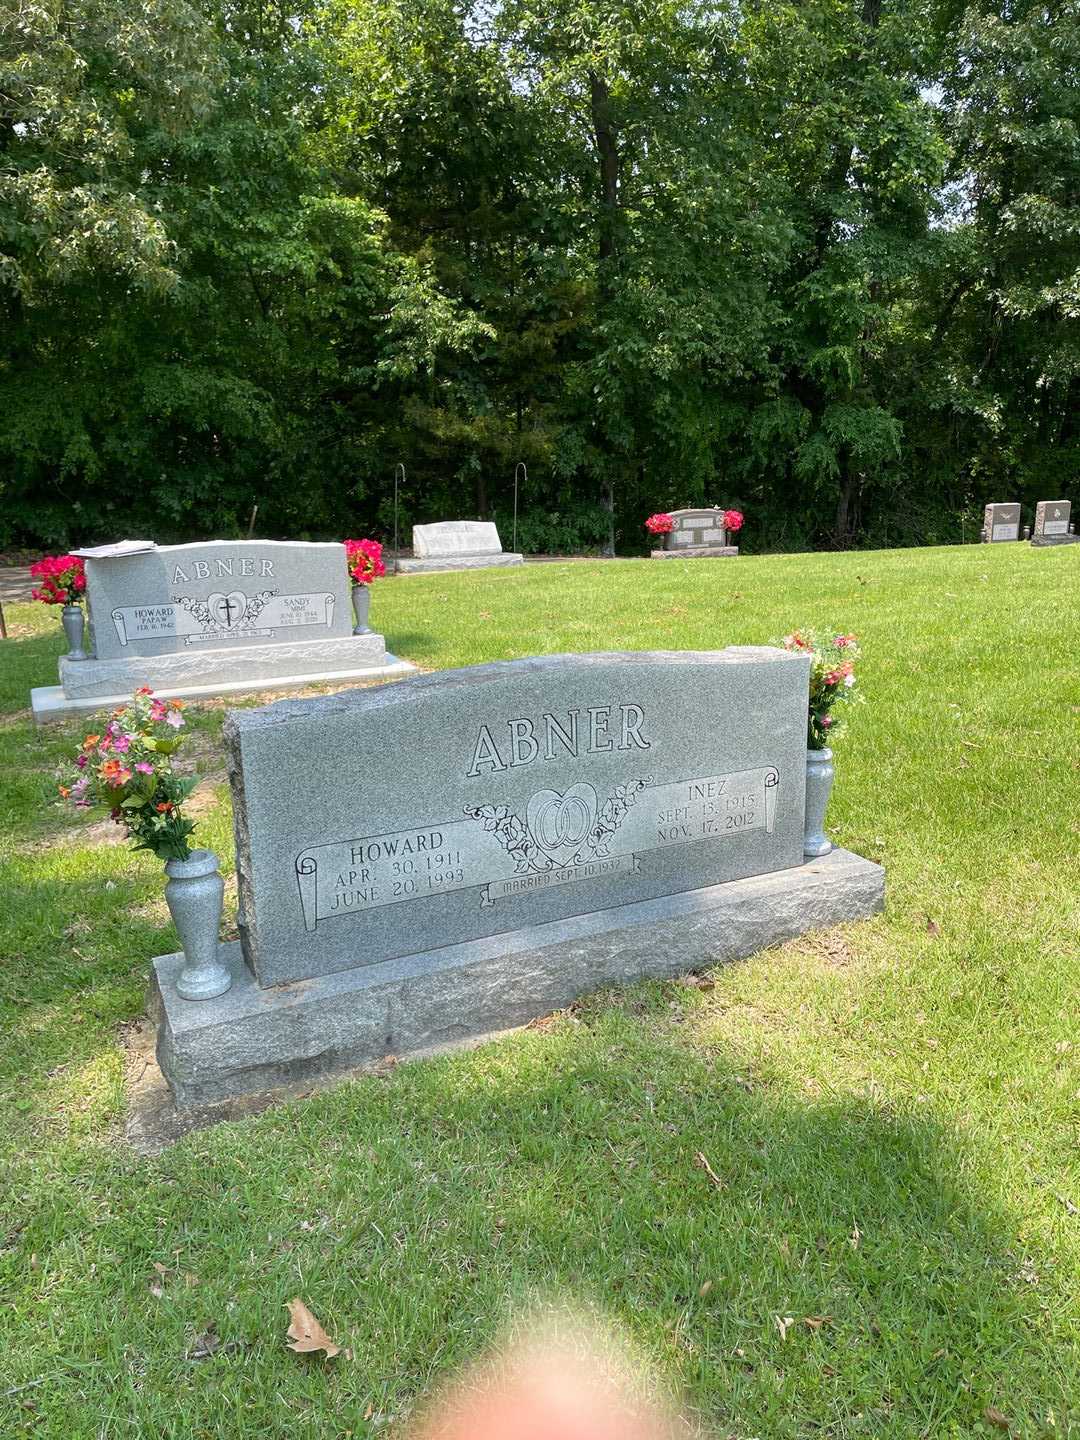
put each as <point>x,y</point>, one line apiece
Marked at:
<point>818,260</point>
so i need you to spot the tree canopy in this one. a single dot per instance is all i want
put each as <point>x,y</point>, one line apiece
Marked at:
<point>818,259</point>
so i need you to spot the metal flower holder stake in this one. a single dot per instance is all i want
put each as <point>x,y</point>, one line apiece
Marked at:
<point>520,473</point>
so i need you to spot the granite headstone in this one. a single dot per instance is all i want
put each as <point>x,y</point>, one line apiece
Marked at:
<point>214,618</point>
<point>456,545</point>
<point>1053,523</point>
<point>696,534</point>
<point>1000,523</point>
<point>463,851</point>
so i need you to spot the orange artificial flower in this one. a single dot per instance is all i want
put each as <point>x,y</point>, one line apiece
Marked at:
<point>90,742</point>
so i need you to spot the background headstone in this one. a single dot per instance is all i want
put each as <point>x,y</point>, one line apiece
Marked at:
<point>214,618</point>
<point>219,594</point>
<point>697,533</point>
<point>1000,523</point>
<point>1053,523</point>
<point>456,545</point>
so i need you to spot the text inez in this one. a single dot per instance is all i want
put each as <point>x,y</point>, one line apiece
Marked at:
<point>582,732</point>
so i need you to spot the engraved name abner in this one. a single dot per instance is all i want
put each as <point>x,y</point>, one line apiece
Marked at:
<point>588,731</point>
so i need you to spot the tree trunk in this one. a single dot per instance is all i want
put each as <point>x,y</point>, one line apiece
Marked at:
<point>609,506</point>
<point>843,507</point>
<point>607,150</point>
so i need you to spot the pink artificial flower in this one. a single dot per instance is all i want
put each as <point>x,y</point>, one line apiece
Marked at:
<point>157,710</point>
<point>175,719</point>
<point>825,721</point>
<point>144,768</point>
<point>660,524</point>
<point>81,761</point>
<point>122,743</point>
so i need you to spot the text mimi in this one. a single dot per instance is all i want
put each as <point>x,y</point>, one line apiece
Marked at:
<point>577,732</point>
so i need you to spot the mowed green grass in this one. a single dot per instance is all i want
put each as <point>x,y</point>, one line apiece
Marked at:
<point>892,1110</point>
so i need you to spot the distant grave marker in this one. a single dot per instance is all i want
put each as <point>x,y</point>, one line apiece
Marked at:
<point>1053,523</point>
<point>1000,523</point>
<point>456,545</point>
<point>697,534</point>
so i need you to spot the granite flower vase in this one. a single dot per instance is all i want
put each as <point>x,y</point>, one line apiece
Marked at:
<point>194,893</point>
<point>74,623</point>
<point>361,604</point>
<point>819,783</point>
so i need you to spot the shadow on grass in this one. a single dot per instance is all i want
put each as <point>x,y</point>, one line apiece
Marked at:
<point>831,1272</point>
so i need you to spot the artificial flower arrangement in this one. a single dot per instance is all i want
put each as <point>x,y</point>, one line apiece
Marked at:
<point>663,524</point>
<point>832,681</point>
<point>365,562</point>
<point>62,579</point>
<point>128,768</point>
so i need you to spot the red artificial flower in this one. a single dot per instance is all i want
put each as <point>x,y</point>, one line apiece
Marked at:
<point>733,521</point>
<point>364,559</point>
<point>63,579</point>
<point>660,524</point>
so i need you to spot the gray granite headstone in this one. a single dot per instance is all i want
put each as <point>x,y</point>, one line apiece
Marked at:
<point>456,545</point>
<point>455,537</point>
<point>1001,522</point>
<point>1052,518</point>
<point>696,533</point>
<point>451,807</point>
<point>218,594</point>
<point>214,618</point>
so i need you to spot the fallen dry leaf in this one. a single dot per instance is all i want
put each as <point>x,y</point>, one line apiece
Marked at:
<point>306,1334</point>
<point>815,1322</point>
<point>783,1323</point>
<point>855,1237</point>
<point>932,927</point>
<point>703,1162</point>
<point>704,1289</point>
<point>994,1417</point>
<point>696,982</point>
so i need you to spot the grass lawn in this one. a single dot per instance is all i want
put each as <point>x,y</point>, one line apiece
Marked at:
<point>892,1109</point>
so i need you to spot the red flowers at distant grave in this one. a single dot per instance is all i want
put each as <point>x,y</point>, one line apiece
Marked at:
<point>364,558</point>
<point>62,579</point>
<point>663,524</point>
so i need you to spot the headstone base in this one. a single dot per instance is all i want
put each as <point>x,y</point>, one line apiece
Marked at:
<point>410,565</point>
<point>695,552</point>
<point>1041,540</point>
<point>53,702</point>
<point>251,1039</point>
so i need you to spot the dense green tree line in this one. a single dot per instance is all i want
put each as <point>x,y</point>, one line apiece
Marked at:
<point>819,259</point>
